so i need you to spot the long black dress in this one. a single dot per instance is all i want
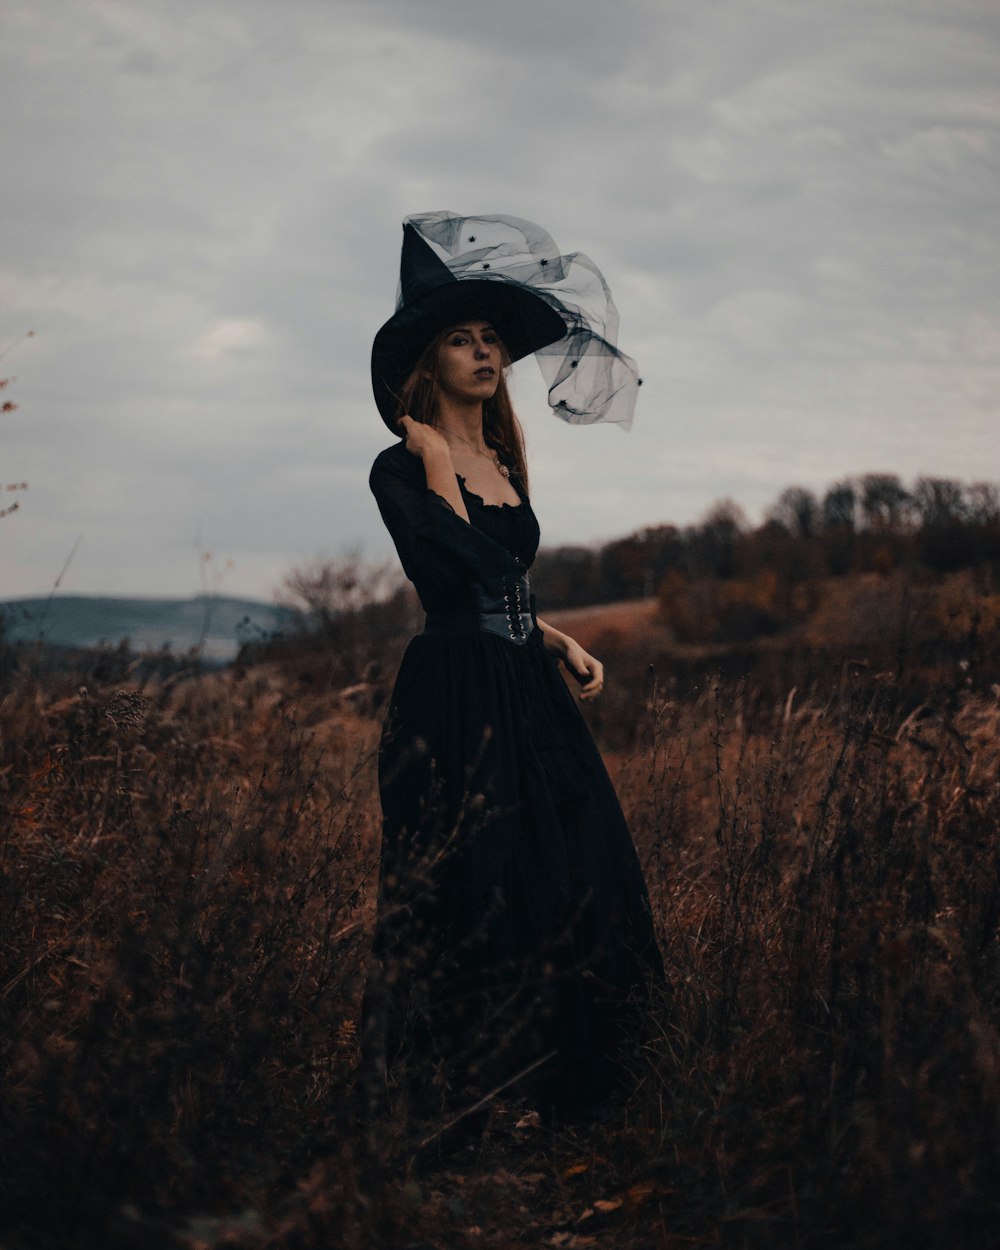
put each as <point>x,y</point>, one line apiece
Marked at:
<point>513,921</point>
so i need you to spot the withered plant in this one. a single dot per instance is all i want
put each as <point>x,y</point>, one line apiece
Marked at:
<point>189,867</point>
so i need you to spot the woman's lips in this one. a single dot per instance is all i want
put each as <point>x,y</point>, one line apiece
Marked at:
<point>485,372</point>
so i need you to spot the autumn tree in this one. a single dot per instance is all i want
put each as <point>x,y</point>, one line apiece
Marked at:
<point>884,501</point>
<point>797,510</point>
<point>349,606</point>
<point>712,545</point>
<point>840,507</point>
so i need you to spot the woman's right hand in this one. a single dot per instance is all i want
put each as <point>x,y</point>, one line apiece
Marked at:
<point>423,440</point>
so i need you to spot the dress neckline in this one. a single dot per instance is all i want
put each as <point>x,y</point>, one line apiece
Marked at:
<point>513,507</point>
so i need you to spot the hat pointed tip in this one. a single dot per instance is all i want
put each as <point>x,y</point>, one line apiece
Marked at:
<point>420,270</point>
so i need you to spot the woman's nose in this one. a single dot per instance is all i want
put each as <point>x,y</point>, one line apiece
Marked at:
<point>483,349</point>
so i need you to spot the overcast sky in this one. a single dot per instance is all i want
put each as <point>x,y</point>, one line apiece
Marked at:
<point>795,206</point>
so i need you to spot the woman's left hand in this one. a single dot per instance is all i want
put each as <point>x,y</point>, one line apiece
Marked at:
<point>587,671</point>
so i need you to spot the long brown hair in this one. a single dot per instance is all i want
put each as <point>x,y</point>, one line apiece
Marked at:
<point>418,398</point>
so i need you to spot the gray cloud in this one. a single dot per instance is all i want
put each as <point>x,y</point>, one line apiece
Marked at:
<point>794,206</point>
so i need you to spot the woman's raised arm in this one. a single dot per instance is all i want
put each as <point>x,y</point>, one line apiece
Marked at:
<point>432,448</point>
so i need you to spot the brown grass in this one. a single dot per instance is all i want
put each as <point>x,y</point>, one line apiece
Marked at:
<point>187,879</point>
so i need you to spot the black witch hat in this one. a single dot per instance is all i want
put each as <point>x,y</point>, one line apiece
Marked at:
<point>432,298</point>
<point>506,271</point>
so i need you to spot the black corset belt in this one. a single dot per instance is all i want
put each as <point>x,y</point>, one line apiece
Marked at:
<point>505,608</point>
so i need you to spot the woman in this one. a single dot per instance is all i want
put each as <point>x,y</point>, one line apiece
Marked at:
<point>513,923</point>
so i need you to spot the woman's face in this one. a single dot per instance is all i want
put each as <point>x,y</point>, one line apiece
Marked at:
<point>469,362</point>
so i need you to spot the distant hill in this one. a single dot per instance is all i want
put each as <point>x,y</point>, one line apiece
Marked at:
<point>215,623</point>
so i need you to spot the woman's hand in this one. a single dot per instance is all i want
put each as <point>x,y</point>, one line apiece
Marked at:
<point>424,440</point>
<point>587,671</point>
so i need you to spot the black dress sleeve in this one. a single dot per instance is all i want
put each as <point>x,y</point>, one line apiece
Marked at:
<point>441,553</point>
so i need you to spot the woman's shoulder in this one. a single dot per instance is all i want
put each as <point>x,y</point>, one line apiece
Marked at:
<point>396,462</point>
<point>396,459</point>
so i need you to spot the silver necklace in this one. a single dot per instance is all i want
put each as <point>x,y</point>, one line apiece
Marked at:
<point>489,453</point>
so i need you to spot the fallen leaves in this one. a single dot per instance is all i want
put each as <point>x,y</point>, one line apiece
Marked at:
<point>625,1201</point>
<point>642,1191</point>
<point>581,1166</point>
<point>575,1169</point>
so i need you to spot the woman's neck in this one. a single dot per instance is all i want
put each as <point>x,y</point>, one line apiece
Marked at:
<point>464,422</point>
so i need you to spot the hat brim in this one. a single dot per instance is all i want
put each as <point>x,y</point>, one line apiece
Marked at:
<point>524,321</point>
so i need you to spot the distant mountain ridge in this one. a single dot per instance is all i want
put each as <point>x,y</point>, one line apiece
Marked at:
<point>217,624</point>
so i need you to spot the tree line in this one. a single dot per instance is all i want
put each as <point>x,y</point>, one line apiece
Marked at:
<point>869,523</point>
<point>721,580</point>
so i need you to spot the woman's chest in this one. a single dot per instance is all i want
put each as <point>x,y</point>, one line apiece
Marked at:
<point>515,529</point>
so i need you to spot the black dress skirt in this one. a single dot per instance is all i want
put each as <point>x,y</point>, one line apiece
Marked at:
<point>514,932</point>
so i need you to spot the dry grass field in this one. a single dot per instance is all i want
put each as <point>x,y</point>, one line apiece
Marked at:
<point>187,874</point>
